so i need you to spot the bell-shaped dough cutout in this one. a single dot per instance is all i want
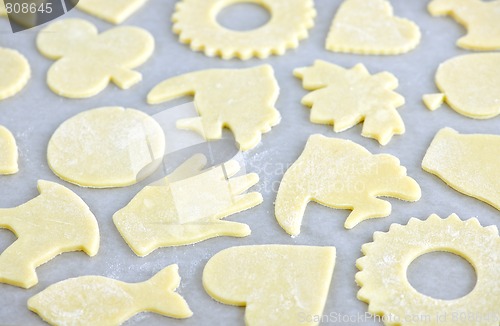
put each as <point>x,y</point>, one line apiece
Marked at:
<point>8,152</point>
<point>14,72</point>
<point>113,11</point>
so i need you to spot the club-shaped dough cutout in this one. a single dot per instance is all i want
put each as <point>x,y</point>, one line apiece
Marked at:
<point>370,27</point>
<point>278,284</point>
<point>346,97</point>
<point>470,85</point>
<point>8,152</point>
<point>341,174</point>
<point>113,11</point>
<point>106,147</point>
<point>55,222</point>
<point>384,285</point>
<point>196,23</point>
<point>467,163</point>
<point>86,61</point>
<point>97,300</point>
<point>187,207</point>
<point>14,72</point>
<point>242,100</point>
<point>479,17</point>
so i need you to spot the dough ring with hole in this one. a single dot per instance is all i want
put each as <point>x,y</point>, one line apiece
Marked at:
<point>195,22</point>
<point>383,282</point>
<point>14,72</point>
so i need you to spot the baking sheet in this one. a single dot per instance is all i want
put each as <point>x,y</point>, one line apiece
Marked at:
<point>35,113</point>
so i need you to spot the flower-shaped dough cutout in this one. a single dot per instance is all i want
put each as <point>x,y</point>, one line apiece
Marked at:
<point>14,72</point>
<point>8,152</point>
<point>195,22</point>
<point>384,285</point>
<point>113,11</point>
<point>370,27</point>
<point>346,97</point>
<point>240,99</point>
<point>86,61</point>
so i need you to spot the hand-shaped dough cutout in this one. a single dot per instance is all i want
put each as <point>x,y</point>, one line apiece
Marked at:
<point>55,222</point>
<point>344,98</point>
<point>113,11</point>
<point>87,61</point>
<point>8,152</point>
<point>370,27</point>
<point>240,99</point>
<point>14,72</point>
<point>182,210</point>
<point>341,174</point>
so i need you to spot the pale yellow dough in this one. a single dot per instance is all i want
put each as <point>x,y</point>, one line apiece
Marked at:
<point>345,98</point>
<point>113,11</point>
<point>384,285</point>
<point>3,11</point>
<point>187,207</point>
<point>341,174</point>
<point>106,147</point>
<point>467,163</point>
<point>55,222</point>
<point>86,61</point>
<point>196,23</point>
<point>97,300</point>
<point>433,101</point>
<point>8,152</point>
<point>242,100</point>
<point>278,284</point>
<point>370,27</point>
<point>14,72</point>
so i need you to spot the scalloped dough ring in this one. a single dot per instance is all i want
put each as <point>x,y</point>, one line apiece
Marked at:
<point>196,23</point>
<point>384,285</point>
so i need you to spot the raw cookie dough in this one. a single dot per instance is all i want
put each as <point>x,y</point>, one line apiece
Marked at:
<point>239,99</point>
<point>8,152</point>
<point>370,27</point>
<point>196,23</point>
<point>187,207</point>
<point>467,163</point>
<point>346,97</point>
<point>3,11</point>
<point>113,11</point>
<point>384,285</point>
<point>106,147</point>
<point>86,61</point>
<point>341,174</point>
<point>55,222</point>
<point>470,84</point>
<point>277,283</point>
<point>479,17</point>
<point>14,72</point>
<point>97,300</point>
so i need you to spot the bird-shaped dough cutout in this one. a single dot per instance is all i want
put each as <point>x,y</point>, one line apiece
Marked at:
<point>370,27</point>
<point>341,174</point>
<point>14,72</point>
<point>479,17</point>
<point>276,283</point>
<point>240,99</point>
<point>86,61</point>
<point>97,300</point>
<point>346,97</point>
<point>113,11</point>
<point>8,152</point>
<point>184,209</point>
<point>55,222</point>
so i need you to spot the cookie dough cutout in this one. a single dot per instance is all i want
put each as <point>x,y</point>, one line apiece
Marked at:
<point>370,27</point>
<point>382,275</point>
<point>97,300</point>
<point>467,163</point>
<point>341,174</point>
<point>433,101</point>
<point>471,84</point>
<point>346,97</point>
<point>106,147</point>
<point>276,283</point>
<point>112,11</point>
<point>14,72</point>
<point>195,22</point>
<point>242,100</point>
<point>55,222</point>
<point>8,152</point>
<point>86,61</point>
<point>3,10</point>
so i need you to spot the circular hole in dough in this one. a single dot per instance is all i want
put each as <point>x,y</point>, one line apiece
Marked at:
<point>244,16</point>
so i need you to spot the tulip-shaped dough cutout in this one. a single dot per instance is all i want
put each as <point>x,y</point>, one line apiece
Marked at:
<point>341,174</point>
<point>277,283</point>
<point>15,72</point>
<point>113,11</point>
<point>8,152</point>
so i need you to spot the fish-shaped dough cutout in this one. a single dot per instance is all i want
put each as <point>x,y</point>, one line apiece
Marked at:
<point>8,152</point>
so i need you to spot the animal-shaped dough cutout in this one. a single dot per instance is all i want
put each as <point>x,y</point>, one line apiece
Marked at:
<point>8,152</point>
<point>55,222</point>
<point>470,85</point>
<point>106,147</point>
<point>467,163</point>
<point>113,11</point>
<point>240,99</point>
<point>341,174</point>
<point>370,27</point>
<point>86,61</point>
<point>479,17</point>
<point>14,72</point>
<point>276,283</point>
<point>184,209</point>
<point>97,300</point>
<point>196,23</point>
<point>346,97</point>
